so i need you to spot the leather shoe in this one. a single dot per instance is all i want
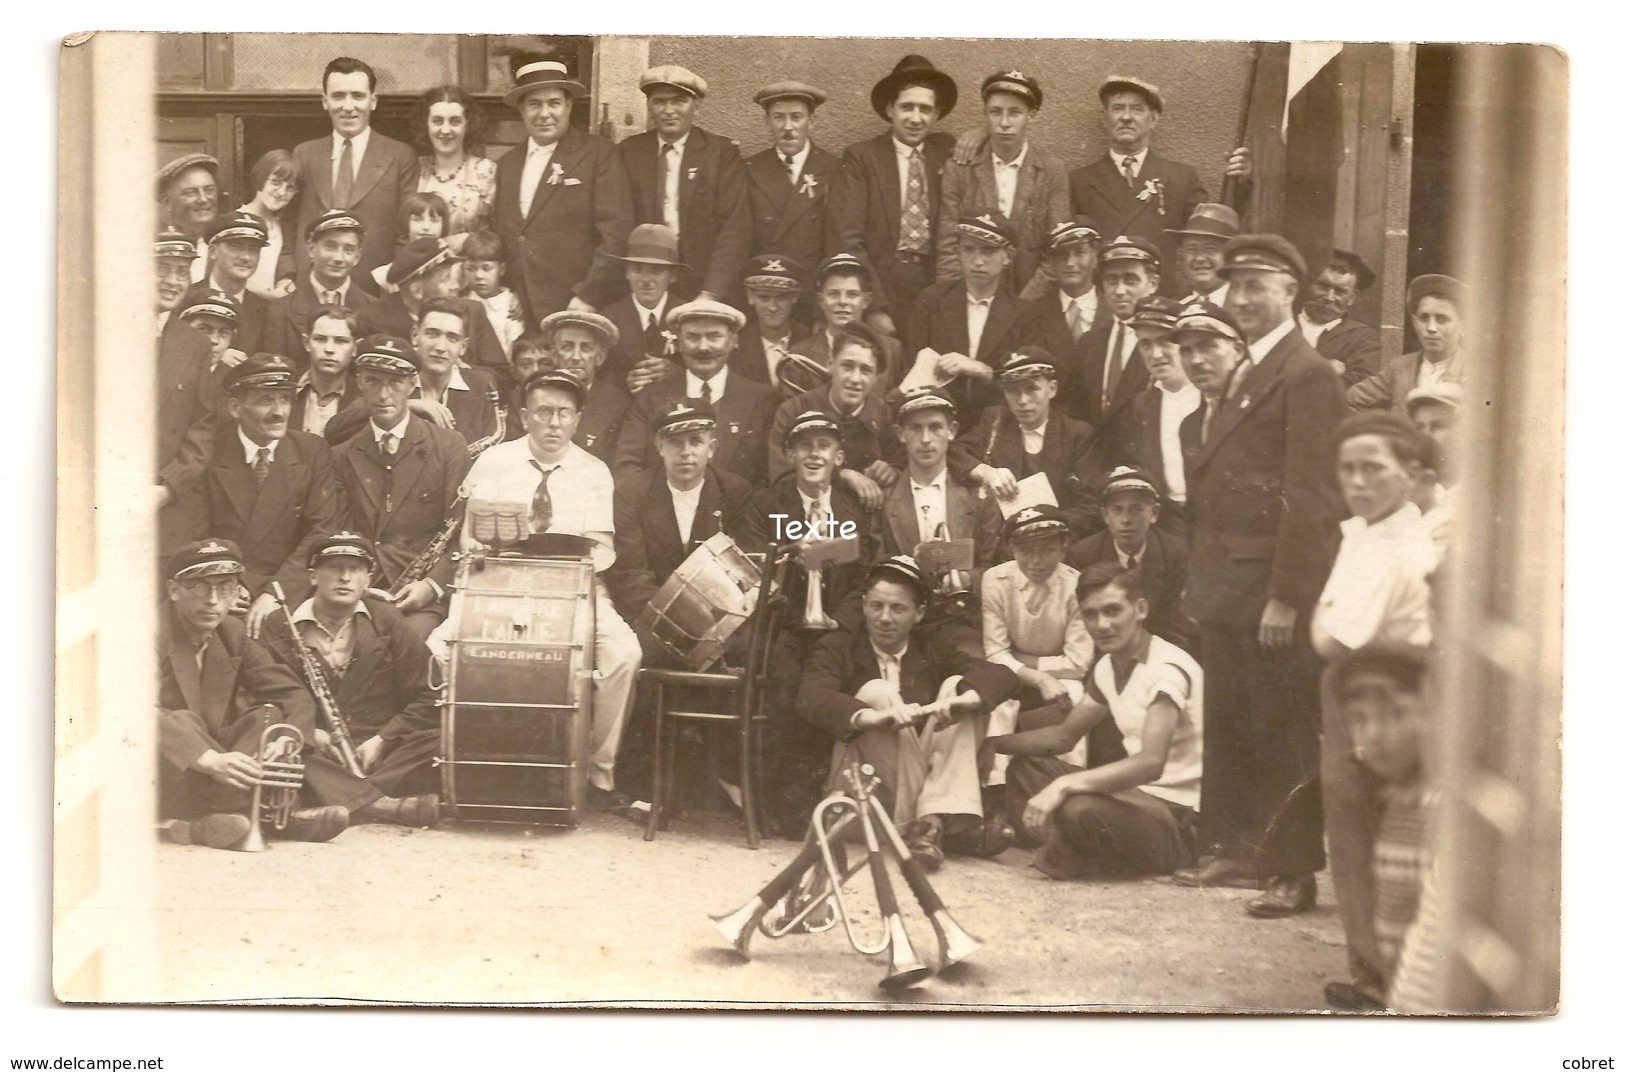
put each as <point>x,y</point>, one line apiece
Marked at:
<point>971,835</point>
<point>316,824</point>
<point>923,838</point>
<point>1226,872</point>
<point>1346,997</point>
<point>420,811</point>
<point>1059,860</point>
<point>223,830</point>
<point>1286,895</point>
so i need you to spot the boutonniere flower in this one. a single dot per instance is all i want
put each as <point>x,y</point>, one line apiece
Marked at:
<point>809,182</point>
<point>693,171</point>
<point>671,342</point>
<point>1154,187</point>
<point>557,176</point>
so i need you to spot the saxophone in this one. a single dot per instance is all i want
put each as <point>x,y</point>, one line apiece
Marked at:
<point>419,567</point>
<point>480,446</point>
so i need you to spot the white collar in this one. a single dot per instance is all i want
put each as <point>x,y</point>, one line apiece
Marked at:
<point>1307,324</point>
<point>881,656</point>
<point>1188,393</point>
<point>531,148</point>
<point>307,611</point>
<point>971,299</point>
<point>809,504</point>
<point>358,144</point>
<point>1402,522</point>
<point>251,449</point>
<point>163,320</point>
<point>799,158</point>
<point>719,383</point>
<point>679,144</point>
<point>940,481</point>
<point>691,493</point>
<point>399,431</point>
<point>1137,157</point>
<point>1027,583</point>
<point>1123,556</point>
<point>1085,300</point>
<point>569,455</point>
<point>1020,158</point>
<point>343,289</point>
<point>907,151</point>
<point>1039,431</point>
<point>1257,351</point>
<point>658,312</point>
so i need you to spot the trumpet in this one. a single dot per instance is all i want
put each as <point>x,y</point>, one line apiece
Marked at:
<point>816,876</point>
<point>813,615</point>
<point>282,772</point>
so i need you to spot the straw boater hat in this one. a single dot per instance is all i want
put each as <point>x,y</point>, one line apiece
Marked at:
<point>540,74</point>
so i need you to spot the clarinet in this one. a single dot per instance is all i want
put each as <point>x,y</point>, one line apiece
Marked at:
<point>316,682</point>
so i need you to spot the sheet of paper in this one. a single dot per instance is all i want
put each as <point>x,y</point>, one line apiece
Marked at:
<point>1033,491</point>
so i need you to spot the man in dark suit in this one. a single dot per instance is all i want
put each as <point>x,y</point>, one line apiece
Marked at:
<point>646,350</point>
<point>707,335</point>
<point>235,241</point>
<point>692,181</point>
<point>1129,503</point>
<point>1263,503</point>
<point>188,400</point>
<point>895,182</point>
<point>1200,250</point>
<point>773,290</point>
<point>578,343</point>
<point>563,202</point>
<point>1112,377</point>
<point>970,321</point>
<point>401,475</point>
<point>795,186</point>
<point>424,269</point>
<point>1353,348</point>
<point>1132,190</point>
<point>355,167</point>
<point>268,488</point>
<point>332,249</point>
<point>1158,413</point>
<point>1060,321</point>
<point>865,689</point>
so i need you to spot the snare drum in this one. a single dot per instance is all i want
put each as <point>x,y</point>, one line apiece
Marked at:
<point>703,602</point>
<point>516,723</point>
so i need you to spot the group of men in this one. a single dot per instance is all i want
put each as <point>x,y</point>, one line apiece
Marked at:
<point>1079,426</point>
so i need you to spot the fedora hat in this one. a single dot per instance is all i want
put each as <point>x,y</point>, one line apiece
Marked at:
<point>915,69</point>
<point>652,243</point>
<point>1211,221</point>
<point>537,74</point>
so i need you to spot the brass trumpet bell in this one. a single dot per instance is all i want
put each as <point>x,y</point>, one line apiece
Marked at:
<point>738,926</point>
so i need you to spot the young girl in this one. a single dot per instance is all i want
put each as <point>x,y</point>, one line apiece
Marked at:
<point>421,216</point>
<point>275,180</point>
<point>483,258</point>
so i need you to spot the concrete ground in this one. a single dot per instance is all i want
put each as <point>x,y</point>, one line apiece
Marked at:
<point>475,914</point>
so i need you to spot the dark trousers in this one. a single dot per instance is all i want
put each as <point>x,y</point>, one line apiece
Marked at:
<point>191,794</point>
<point>795,753</point>
<point>1261,750</point>
<point>1129,832</point>
<point>1349,796</point>
<point>407,768</point>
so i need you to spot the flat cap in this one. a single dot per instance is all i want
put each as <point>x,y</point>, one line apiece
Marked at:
<point>1035,523</point>
<point>205,558</point>
<point>685,415</point>
<point>773,272</point>
<point>1205,316</point>
<point>1435,286</point>
<point>1126,478</point>
<point>1072,232</point>
<point>239,224</point>
<point>669,74</point>
<point>1122,83</point>
<point>342,545</point>
<point>334,219</point>
<point>416,257</point>
<point>1017,82</point>
<point>703,309</point>
<point>207,301</point>
<point>1264,253</point>
<point>1210,221</point>
<point>534,74</point>
<point>1155,313</point>
<point>812,421</point>
<point>790,90</point>
<point>1446,394</point>
<point>386,353</point>
<point>991,227</point>
<point>172,170</point>
<point>603,325</point>
<point>1027,363</point>
<point>1131,248</point>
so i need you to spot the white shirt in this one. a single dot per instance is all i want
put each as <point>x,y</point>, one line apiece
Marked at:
<point>1139,160</point>
<point>319,409</point>
<point>499,309</point>
<point>1217,295</point>
<point>1434,372</point>
<point>264,277</point>
<point>811,506</point>
<point>200,264</point>
<point>1032,439</point>
<point>795,163</point>
<point>454,382</point>
<point>685,504</point>
<point>930,504</point>
<point>163,320</point>
<point>774,351</point>
<point>1005,176</point>
<point>1378,588</point>
<point>537,157</point>
<point>891,666</point>
<point>1167,671</point>
<point>1087,305</point>
<point>657,314</point>
<point>1313,331</point>
<point>251,449</point>
<point>672,160</point>
<point>1130,339</point>
<point>1053,633</point>
<point>323,293</point>
<point>904,154</point>
<point>399,432</point>
<point>580,486</point>
<point>976,310</point>
<point>1257,351</point>
<point>719,384</point>
<point>358,149</point>
<point>1176,406</point>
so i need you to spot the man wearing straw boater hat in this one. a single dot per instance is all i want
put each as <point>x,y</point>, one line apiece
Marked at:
<point>647,350</point>
<point>563,203</point>
<point>691,180</point>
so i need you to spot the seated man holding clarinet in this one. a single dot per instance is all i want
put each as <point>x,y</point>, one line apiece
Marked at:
<point>914,707</point>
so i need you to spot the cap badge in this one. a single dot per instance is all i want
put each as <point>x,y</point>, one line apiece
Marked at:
<point>389,347</point>
<point>985,220</point>
<point>212,548</point>
<point>773,266</point>
<point>1016,75</point>
<point>1026,515</point>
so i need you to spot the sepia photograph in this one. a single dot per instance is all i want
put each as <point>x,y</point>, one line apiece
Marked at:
<point>810,523</point>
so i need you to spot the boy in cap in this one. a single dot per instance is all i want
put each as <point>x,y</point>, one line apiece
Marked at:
<point>1130,504</point>
<point>1026,436</point>
<point>1110,377</point>
<point>332,250</point>
<point>377,671</point>
<point>1136,815</point>
<point>647,351</point>
<point>692,181</point>
<point>269,488</point>
<point>1010,175</point>
<point>563,204</point>
<point>795,186</point>
<point>810,493</point>
<point>772,291</point>
<point>1061,320</point>
<point>235,241</point>
<point>1159,412</point>
<point>970,321</point>
<point>188,401</point>
<point>1353,348</point>
<point>401,474</point>
<point>865,688</point>
<point>1434,304</point>
<point>569,491</point>
<point>843,293</point>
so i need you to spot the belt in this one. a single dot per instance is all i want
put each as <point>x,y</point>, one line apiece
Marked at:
<point>910,256</point>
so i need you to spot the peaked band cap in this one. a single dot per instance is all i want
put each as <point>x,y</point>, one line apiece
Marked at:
<point>238,225</point>
<point>1128,478</point>
<point>921,400</point>
<point>1156,311</point>
<point>898,567</point>
<point>1264,253</point>
<point>812,421</point>
<point>342,545</point>
<point>1210,221</point>
<point>172,170</point>
<point>1072,232</point>
<point>1035,522</point>
<point>705,308</point>
<point>685,415</point>
<point>1207,317</point>
<point>172,242</point>
<point>603,325</point>
<point>208,302</point>
<point>1017,82</point>
<point>670,74</point>
<point>261,371</point>
<point>790,90</point>
<point>991,227</point>
<point>772,272</point>
<point>1122,83</point>
<point>1027,363</point>
<point>558,379</point>
<point>918,69</point>
<point>386,353</point>
<point>335,219</point>
<point>1130,248</point>
<point>844,264</point>
<point>205,558</point>
<point>540,74</point>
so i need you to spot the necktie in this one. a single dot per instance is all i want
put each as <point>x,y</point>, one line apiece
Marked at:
<point>1035,599</point>
<point>651,336</point>
<point>389,444</point>
<point>790,165</point>
<point>1209,408</point>
<point>541,504</point>
<point>1074,320</point>
<point>1128,170</point>
<point>915,230</point>
<point>332,297</point>
<point>1133,562</point>
<point>1114,364</point>
<point>705,392</point>
<point>668,201</point>
<point>262,465</point>
<point>889,670</point>
<point>530,178</point>
<point>345,179</point>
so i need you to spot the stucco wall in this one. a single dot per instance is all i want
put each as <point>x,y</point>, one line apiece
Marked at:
<point>1202,84</point>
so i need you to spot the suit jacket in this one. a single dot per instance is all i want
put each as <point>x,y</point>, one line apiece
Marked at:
<point>1040,321</point>
<point>1262,491</point>
<point>750,358</point>
<point>473,410</point>
<point>635,342</point>
<point>400,508</point>
<point>1072,456</point>
<point>277,524</point>
<point>562,249</point>
<point>385,688</point>
<point>189,399</point>
<point>969,516</point>
<point>872,205</point>
<point>713,207</point>
<point>217,708</point>
<point>288,318</point>
<point>1358,346</point>
<point>1162,574</point>
<point>390,315</point>
<point>1388,388</point>
<point>648,544</point>
<point>844,660</point>
<point>744,414</point>
<point>1114,420</point>
<point>384,177</point>
<point>866,436</point>
<point>843,584</point>
<point>1041,201</point>
<point>941,322</point>
<point>1100,192</point>
<point>800,221</point>
<point>602,419</point>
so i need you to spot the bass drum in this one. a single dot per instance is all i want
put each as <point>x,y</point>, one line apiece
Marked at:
<point>516,708</point>
<point>703,603</point>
